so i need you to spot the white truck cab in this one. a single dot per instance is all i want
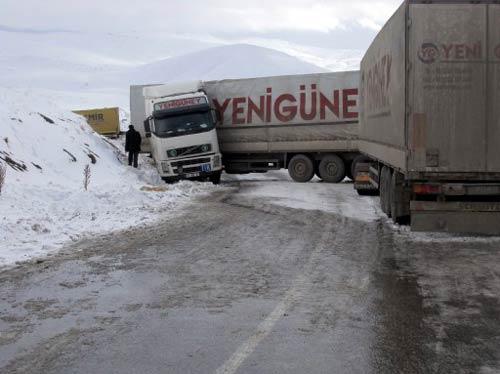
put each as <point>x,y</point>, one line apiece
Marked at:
<point>181,128</point>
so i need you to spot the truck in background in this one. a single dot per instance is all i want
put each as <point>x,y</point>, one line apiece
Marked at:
<point>180,127</point>
<point>307,124</point>
<point>104,121</point>
<point>430,116</point>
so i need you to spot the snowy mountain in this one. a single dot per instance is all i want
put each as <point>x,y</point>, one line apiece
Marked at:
<point>84,84</point>
<point>233,61</point>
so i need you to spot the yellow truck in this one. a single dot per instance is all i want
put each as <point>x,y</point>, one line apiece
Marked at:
<point>105,121</point>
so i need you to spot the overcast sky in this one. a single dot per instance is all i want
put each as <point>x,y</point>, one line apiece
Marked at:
<point>317,30</point>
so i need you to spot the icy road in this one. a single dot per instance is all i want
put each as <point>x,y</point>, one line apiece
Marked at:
<point>263,276</point>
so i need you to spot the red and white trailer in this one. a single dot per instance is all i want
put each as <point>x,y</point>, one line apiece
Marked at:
<point>307,124</point>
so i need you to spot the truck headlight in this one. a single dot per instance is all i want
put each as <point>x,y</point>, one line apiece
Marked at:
<point>217,162</point>
<point>165,167</point>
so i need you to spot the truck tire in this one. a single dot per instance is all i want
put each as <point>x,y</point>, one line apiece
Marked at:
<point>348,170</point>
<point>367,192</point>
<point>215,177</point>
<point>332,169</point>
<point>301,168</point>
<point>383,194</point>
<point>170,180</point>
<point>400,199</point>
<point>364,167</point>
<point>385,190</point>
<point>316,169</point>
<point>356,161</point>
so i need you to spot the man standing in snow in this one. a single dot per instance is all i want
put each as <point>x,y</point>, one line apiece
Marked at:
<point>133,145</point>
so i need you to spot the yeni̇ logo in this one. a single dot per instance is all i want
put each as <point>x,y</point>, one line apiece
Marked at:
<point>428,53</point>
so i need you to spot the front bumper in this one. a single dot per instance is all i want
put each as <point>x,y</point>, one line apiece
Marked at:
<point>193,167</point>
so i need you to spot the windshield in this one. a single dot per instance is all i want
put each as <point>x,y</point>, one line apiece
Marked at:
<point>183,124</point>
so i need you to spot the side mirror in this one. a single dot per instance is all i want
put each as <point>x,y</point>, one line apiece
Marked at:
<point>216,116</point>
<point>147,127</point>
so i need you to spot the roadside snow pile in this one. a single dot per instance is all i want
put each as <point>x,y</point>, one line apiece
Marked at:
<point>43,203</point>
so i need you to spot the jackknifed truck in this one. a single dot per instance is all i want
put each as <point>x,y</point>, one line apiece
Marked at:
<point>430,116</point>
<point>307,124</point>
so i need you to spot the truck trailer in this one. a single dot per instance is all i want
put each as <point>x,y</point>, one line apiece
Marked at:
<point>307,124</point>
<point>430,116</point>
<point>104,121</point>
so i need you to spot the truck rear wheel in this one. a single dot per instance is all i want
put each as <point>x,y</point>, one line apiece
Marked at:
<point>357,160</point>
<point>301,168</point>
<point>348,170</point>
<point>363,187</point>
<point>385,190</point>
<point>332,169</point>
<point>316,169</point>
<point>400,199</point>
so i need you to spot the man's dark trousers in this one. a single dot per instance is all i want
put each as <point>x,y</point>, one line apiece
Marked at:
<point>133,157</point>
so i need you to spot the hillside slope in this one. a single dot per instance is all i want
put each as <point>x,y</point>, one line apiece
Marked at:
<point>43,203</point>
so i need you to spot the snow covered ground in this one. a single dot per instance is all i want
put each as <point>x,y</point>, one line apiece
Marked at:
<point>278,188</point>
<point>44,204</point>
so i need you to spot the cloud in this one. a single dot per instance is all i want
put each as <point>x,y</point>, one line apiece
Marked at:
<point>330,33</point>
<point>197,16</point>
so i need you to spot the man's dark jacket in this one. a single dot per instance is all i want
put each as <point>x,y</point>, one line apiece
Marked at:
<point>133,141</point>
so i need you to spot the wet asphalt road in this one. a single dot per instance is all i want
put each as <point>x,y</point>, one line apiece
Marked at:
<point>236,283</point>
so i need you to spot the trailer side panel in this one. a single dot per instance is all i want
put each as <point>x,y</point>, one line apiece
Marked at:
<point>383,75</point>
<point>447,88</point>
<point>302,113</point>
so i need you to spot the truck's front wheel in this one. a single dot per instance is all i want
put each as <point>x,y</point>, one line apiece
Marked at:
<point>400,199</point>
<point>332,169</point>
<point>301,168</point>
<point>215,177</point>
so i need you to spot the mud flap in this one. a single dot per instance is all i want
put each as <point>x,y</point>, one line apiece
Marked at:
<point>456,217</point>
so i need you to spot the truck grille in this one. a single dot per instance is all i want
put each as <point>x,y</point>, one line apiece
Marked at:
<point>193,169</point>
<point>186,165</point>
<point>193,161</point>
<point>186,151</point>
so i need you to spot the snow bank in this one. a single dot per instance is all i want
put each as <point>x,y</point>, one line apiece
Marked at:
<point>44,204</point>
